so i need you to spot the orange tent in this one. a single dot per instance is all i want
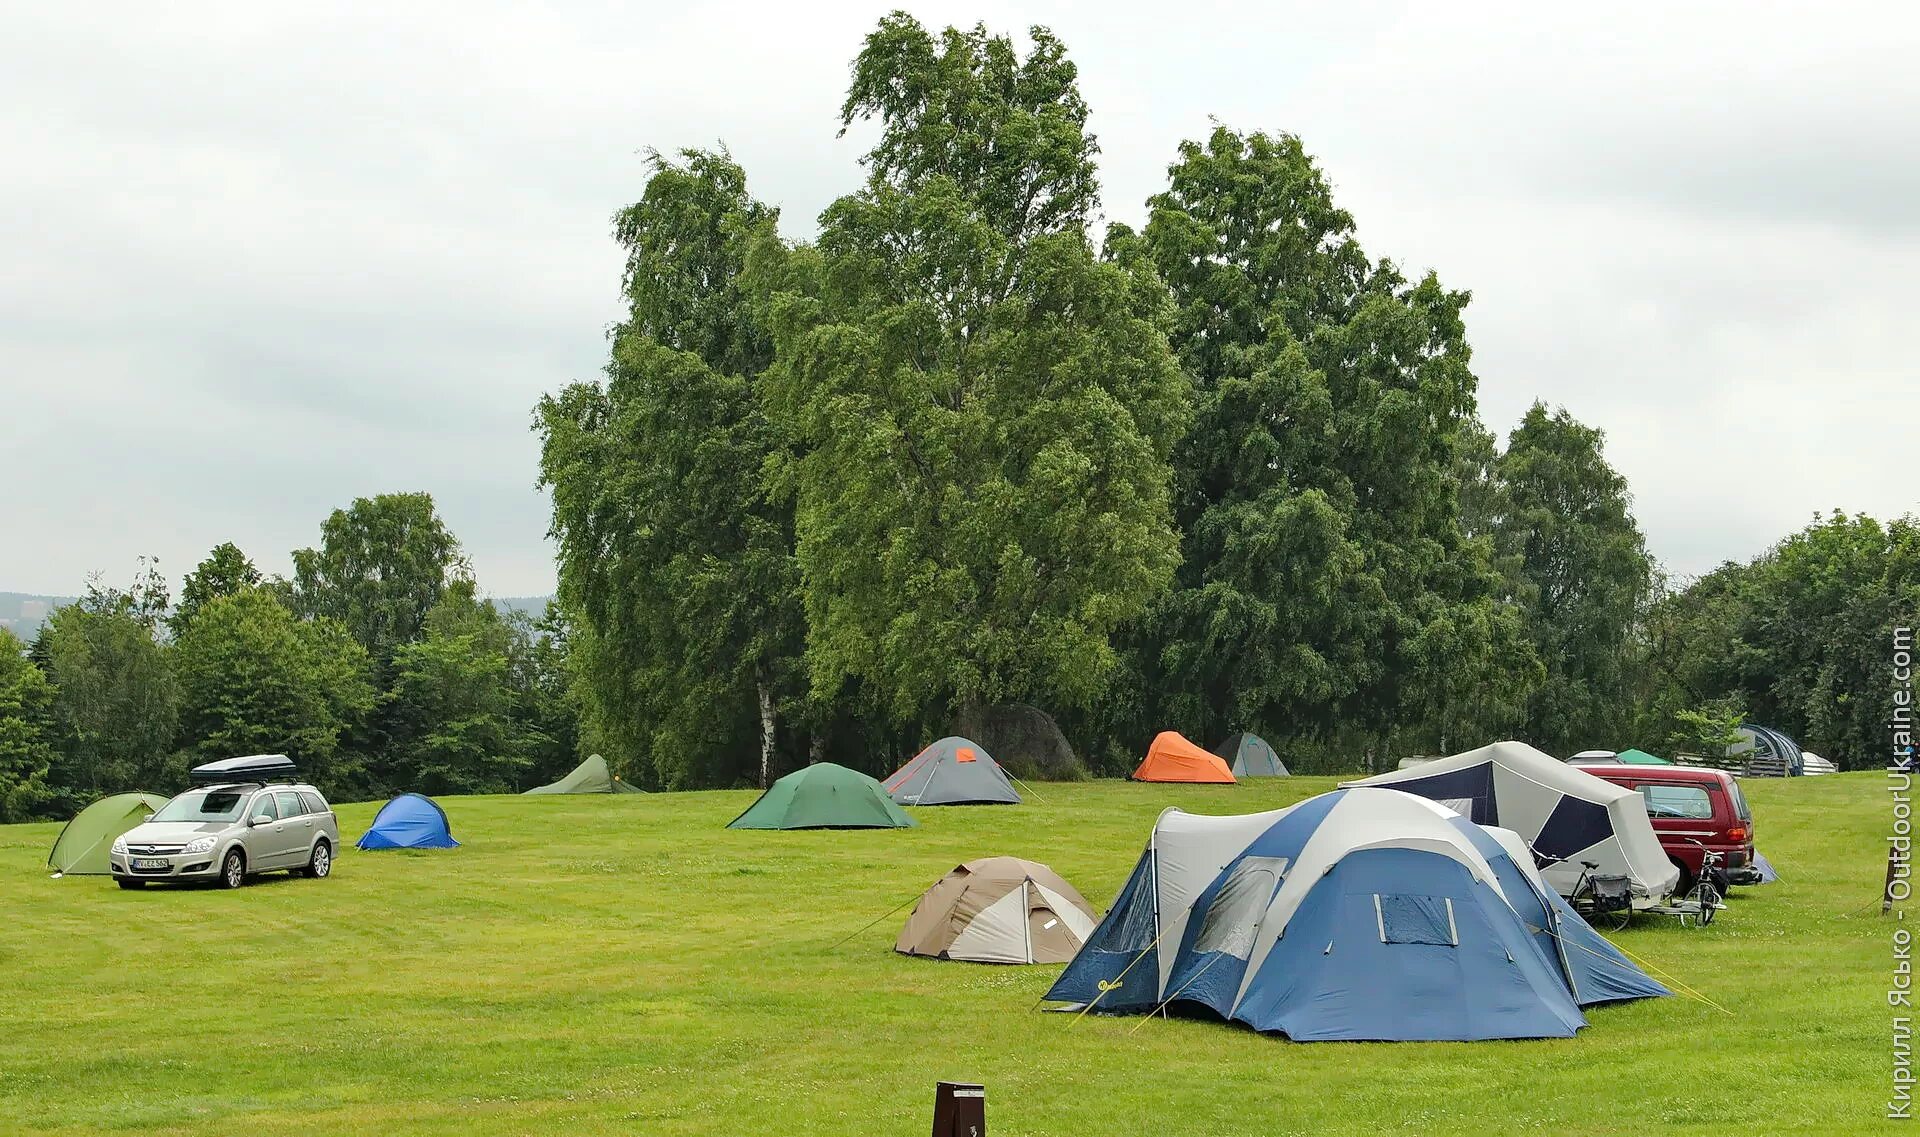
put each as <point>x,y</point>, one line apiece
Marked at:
<point>1172,758</point>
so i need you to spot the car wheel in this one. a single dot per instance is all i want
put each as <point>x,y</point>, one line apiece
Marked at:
<point>233,870</point>
<point>320,863</point>
<point>123,882</point>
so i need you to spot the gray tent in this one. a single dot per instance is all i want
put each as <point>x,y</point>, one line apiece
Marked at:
<point>589,777</point>
<point>953,771</point>
<point>1249,756</point>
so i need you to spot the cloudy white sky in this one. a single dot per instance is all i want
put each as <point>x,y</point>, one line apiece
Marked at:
<point>261,259</point>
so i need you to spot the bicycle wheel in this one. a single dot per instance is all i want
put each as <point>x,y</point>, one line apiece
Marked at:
<point>1709,902</point>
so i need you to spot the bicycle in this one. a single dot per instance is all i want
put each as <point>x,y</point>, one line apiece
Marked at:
<point>1601,899</point>
<point>1702,901</point>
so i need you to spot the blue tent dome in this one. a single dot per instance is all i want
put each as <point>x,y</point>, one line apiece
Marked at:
<point>409,821</point>
<point>1359,914</point>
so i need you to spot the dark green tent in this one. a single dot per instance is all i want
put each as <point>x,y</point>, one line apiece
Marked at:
<point>589,777</point>
<point>824,796</point>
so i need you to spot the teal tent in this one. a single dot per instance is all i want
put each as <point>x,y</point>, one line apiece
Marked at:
<point>1642,758</point>
<point>824,796</point>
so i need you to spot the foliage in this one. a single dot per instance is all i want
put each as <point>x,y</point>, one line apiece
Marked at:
<point>1800,637</point>
<point>1708,731</point>
<point>981,410</point>
<point>26,750</point>
<point>1326,577</point>
<point>675,562</point>
<point>225,572</point>
<point>456,711</point>
<point>1583,575</point>
<point>115,705</point>
<point>256,679</point>
<point>381,565</point>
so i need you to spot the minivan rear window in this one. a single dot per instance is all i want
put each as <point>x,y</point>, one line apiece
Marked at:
<point>1690,802</point>
<point>1740,809</point>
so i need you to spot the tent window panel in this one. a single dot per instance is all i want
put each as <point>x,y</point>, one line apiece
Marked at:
<point>1233,918</point>
<point>1404,918</point>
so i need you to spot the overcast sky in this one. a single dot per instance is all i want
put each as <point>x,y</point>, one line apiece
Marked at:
<point>262,259</point>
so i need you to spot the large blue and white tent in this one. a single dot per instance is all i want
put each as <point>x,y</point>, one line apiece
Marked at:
<point>1769,752</point>
<point>410,821</point>
<point>1359,914</point>
<point>1565,815</point>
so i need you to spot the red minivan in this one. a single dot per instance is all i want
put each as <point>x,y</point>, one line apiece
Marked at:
<point>1688,804</point>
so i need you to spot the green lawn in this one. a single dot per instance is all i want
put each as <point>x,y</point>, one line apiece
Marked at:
<point>627,965</point>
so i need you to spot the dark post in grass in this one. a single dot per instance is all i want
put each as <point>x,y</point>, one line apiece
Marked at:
<point>1893,867</point>
<point>959,1110</point>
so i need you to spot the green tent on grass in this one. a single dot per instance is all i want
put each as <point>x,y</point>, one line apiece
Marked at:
<point>81,849</point>
<point>589,777</point>
<point>1642,758</point>
<point>824,796</point>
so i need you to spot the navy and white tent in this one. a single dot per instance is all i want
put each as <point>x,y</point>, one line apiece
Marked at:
<point>952,771</point>
<point>409,821</point>
<point>1564,814</point>
<point>1361,914</point>
<point>1769,753</point>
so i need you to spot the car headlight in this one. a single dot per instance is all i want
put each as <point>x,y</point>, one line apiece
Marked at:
<point>199,845</point>
<point>120,845</point>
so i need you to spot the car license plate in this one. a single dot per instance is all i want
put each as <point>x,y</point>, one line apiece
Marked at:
<point>151,863</point>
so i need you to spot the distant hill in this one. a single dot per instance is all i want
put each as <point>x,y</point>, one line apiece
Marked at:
<point>22,613</point>
<point>535,606</point>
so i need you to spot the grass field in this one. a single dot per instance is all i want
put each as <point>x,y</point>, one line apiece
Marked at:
<point>627,965</point>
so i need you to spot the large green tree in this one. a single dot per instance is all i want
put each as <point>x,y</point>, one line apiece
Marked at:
<point>981,409</point>
<point>116,704</point>
<point>1327,582</point>
<point>26,719</point>
<point>1565,519</point>
<point>456,710</point>
<point>381,566</point>
<point>676,563</point>
<point>226,571</point>
<point>254,678</point>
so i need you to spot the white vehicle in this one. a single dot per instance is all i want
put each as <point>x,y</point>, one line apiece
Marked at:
<point>247,816</point>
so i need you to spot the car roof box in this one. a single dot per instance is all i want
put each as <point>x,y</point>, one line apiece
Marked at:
<point>252,768</point>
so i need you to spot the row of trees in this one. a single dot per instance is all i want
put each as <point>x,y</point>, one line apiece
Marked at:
<point>376,666</point>
<point>956,465</point>
<point>952,459</point>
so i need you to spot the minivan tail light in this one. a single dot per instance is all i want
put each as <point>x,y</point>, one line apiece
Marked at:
<point>1737,833</point>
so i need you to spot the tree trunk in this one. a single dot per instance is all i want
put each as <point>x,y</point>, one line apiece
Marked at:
<point>767,723</point>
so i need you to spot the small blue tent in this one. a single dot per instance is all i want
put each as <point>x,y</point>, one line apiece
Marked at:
<point>409,821</point>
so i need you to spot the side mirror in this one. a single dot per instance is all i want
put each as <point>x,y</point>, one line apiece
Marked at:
<point>260,819</point>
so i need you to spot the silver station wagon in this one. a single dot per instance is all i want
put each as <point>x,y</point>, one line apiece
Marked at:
<point>246,816</point>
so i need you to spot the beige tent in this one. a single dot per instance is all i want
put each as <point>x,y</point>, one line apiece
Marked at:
<point>999,910</point>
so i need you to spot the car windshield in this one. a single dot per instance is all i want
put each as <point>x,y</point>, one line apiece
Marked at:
<point>204,805</point>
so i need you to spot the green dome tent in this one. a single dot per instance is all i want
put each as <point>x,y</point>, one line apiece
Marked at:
<point>589,777</point>
<point>824,796</point>
<point>81,849</point>
<point>1249,756</point>
<point>1642,758</point>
